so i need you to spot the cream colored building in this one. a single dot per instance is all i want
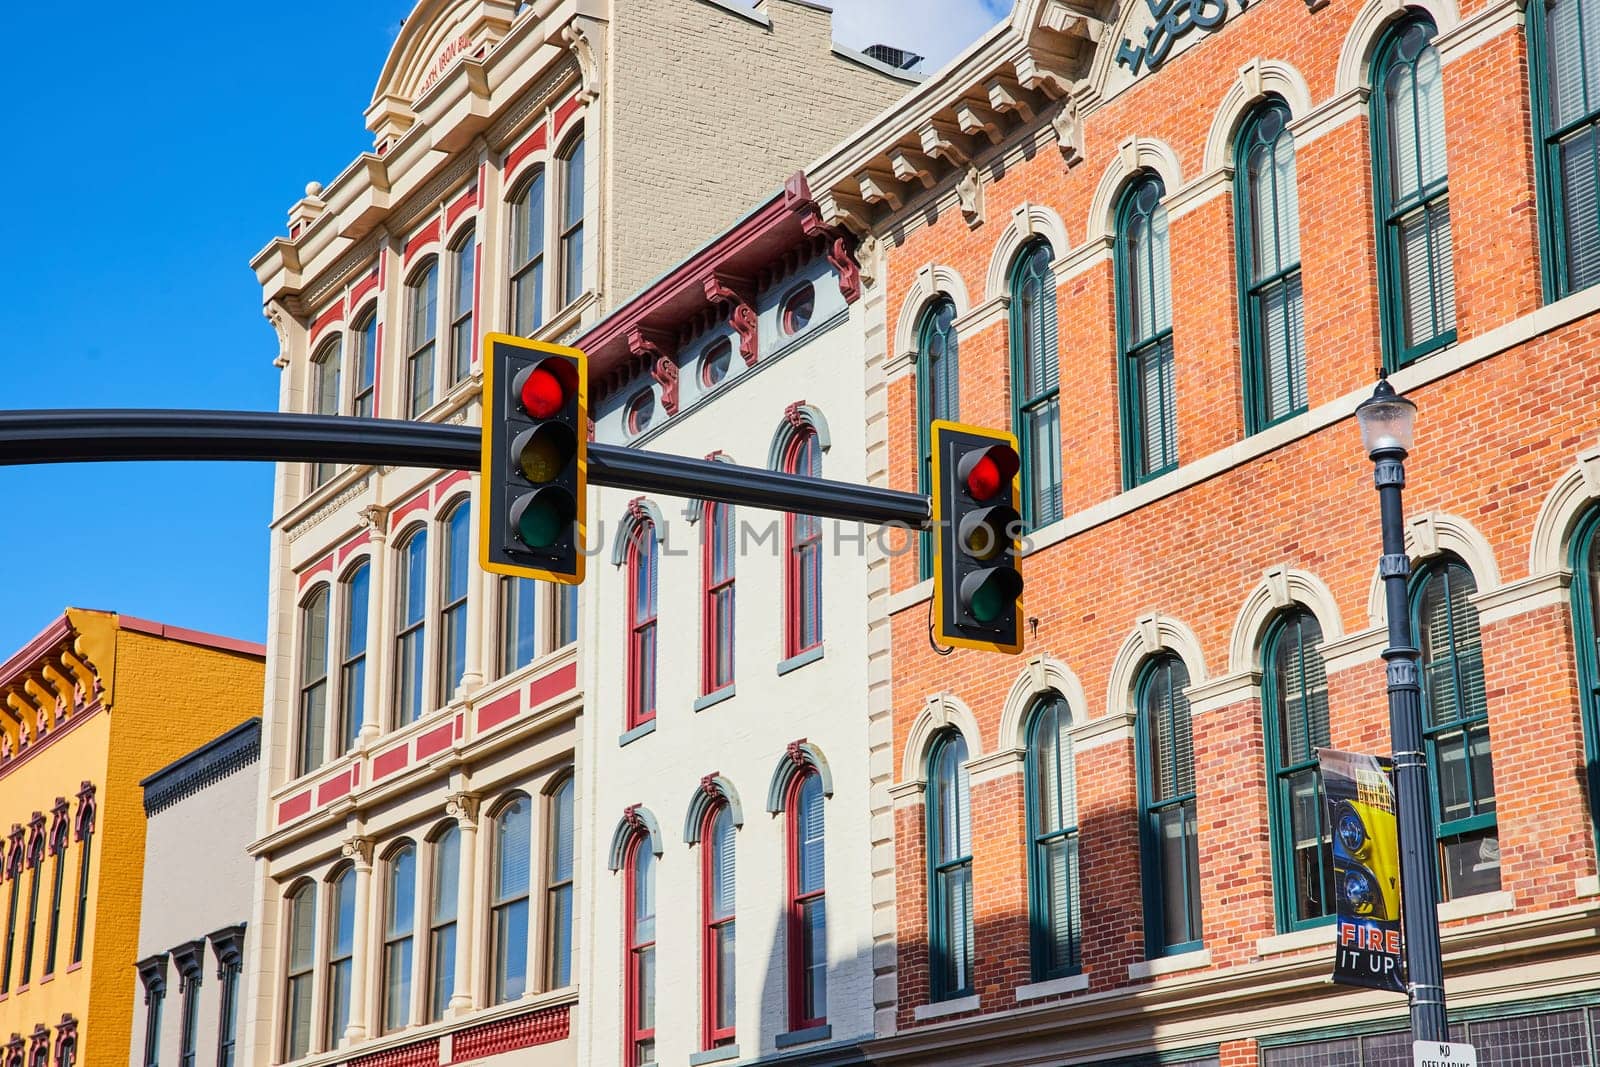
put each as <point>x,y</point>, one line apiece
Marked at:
<point>532,165</point>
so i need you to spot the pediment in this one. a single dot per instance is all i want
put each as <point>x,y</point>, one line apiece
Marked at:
<point>435,37</point>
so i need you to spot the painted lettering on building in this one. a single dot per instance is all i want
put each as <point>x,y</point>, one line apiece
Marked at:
<point>1171,21</point>
<point>453,50</point>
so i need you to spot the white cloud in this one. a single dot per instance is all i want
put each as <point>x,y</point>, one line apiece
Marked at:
<point>936,29</point>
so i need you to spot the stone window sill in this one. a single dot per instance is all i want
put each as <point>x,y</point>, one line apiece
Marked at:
<point>800,659</point>
<point>1313,937</point>
<point>924,1012</point>
<point>714,1055</point>
<point>1054,987</point>
<point>1474,906</point>
<point>1183,961</point>
<point>803,1037</point>
<point>713,699</point>
<point>642,730</point>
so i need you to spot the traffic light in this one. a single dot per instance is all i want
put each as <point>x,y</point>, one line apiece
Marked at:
<point>977,589</point>
<point>535,456</point>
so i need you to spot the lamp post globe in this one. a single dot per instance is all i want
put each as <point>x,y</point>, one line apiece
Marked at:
<point>1388,421</point>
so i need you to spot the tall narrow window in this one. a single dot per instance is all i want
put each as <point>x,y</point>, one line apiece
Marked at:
<point>11,926</point>
<point>364,347</point>
<point>189,988</point>
<point>399,925</point>
<point>36,867</point>
<point>341,956</point>
<point>412,618</point>
<point>716,608</point>
<point>518,623</point>
<point>566,615</point>
<point>643,559</point>
<point>453,602</point>
<point>324,388</point>
<point>1036,394</point>
<point>1455,710</point>
<point>1144,327</point>
<point>558,890</point>
<point>639,1007</point>
<point>59,831</point>
<point>422,328</point>
<point>353,663</point>
<point>808,911</point>
<point>508,906</point>
<point>1294,712</point>
<point>1268,213</point>
<point>950,948</point>
<point>300,962</point>
<point>1564,44</point>
<point>803,573</point>
<point>313,720</point>
<point>717,952</point>
<point>572,179</point>
<point>1416,272</point>
<point>938,397</point>
<point>1586,636</point>
<point>463,292</point>
<point>228,1014</point>
<point>527,256</point>
<point>443,908</point>
<point>1052,793</point>
<point>81,922</point>
<point>1168,833</point>
<point>153,976</point>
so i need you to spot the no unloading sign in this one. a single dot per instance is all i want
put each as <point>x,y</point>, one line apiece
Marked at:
<point>1439,1054</point>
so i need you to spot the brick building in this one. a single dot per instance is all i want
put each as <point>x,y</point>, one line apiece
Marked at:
<point>1169,245</point>
<point>532,165</point>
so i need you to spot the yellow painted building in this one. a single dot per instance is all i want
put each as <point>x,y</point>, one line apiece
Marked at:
<point>92,705</point>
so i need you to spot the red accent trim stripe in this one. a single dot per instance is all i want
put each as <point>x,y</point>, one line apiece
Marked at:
<point>361,540</point>
<point>557,683</point>
<point>435,740</point>
<point>565,113</point>
<point>498,711</point>
<point>420,1054</point>
<point>450,481</point>
<point>419,500</point>
<point>191,637</point>
<point>477,300</point>
<point>424,237</point>
<point>377,369</point>
<point>534,142</point>
<point>386,763</point>
<point>461,725</point>
<point>466,203</point>
<point>325,564</point>
<point>326,319</point>
<point>335,787</point>
<point>364,287</point>
<point>294,807</point>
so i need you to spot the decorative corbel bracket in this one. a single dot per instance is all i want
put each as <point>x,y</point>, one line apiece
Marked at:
<point>910,165</point>
<point>942,139</point>
<point>739,295</point>
<point>1069,133</point>
<point>879,187</point>
<point>975,118</point>
<point>1007,95</point>
<point>655,349</point>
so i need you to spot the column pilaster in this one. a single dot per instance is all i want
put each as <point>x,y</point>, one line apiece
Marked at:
<point>464,807</point>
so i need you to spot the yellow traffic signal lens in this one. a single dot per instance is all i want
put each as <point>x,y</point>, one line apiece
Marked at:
<point>543,452</point>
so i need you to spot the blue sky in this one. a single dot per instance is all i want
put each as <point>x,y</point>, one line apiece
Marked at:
<point>153,151</point>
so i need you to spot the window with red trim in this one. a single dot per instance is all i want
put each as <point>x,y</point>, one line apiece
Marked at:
<point>716,612</point>
<point>803,551</point>
<point>643,562</point>
<point>717,926</point>
<point>808,916</point>
<point>639,992</point>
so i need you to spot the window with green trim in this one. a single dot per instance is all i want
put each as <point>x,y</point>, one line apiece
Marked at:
<point>1144,331</point>
<point>950,945</point>
<point>1052,792</point>
<point>1294,714</point>
<point>1455,713</point>
<point>938,397</point>
<point>1564,60</point>
<point>1586,637</point>
<point>1036,395</point>
<point>1168,834</point>
<point>1416,272</point>
<point>1272,337</point>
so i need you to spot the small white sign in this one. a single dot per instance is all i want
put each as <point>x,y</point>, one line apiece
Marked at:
<point>1443,1054</point>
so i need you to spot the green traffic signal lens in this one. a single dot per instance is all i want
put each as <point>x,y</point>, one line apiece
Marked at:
<point>541,518</point>
<point>987,595</point>
<point>988,603</point>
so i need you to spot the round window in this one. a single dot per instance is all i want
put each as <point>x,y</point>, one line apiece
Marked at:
<point>797,309</point>
<point>714,363</point>
<point>641,412</point>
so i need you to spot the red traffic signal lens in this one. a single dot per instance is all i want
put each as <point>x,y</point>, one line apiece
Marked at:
<point>983,480</point>
<point>541,394</point>
<point>986,472</point>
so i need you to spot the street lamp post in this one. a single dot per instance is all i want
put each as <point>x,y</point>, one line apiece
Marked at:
<point>1387,422</point>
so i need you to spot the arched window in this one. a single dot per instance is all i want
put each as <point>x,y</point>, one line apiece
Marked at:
<point>1036,391</point>
<point>1564,46</point>
<point>1586,637</point>
<point>950,943</point>
<point>717,952</point>
<point>443,908</point>
<point>527,256</point>
<point>938,396</point>
<point>558,889</point>
<point>399,926</point>
<point>802,551</point>
<point>312,725</point>
<point>1144,327</point>
<point>808,912</point>
<point>508,901</point>
<point>412,621</point>
<point>364,346</point>
<point>643,560</point>
<point>572,180</point>
<point>716,608</point>
<point>453,602</point>
<point>639,992</point>
<point>299,965</point>
<point>1168,833</point>
<point>341,956</point>
<point>353,665</point>
<point>1294,714</point>
<point>1268,213</point>
<point>1416,273</point>
<point>463,293</point>
<point>1052,792</point>
<point>422,327</point>
<point>1455,713</point>
<point>324,398</point>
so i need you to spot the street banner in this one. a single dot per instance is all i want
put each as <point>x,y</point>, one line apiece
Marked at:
<point>1366,869</point>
